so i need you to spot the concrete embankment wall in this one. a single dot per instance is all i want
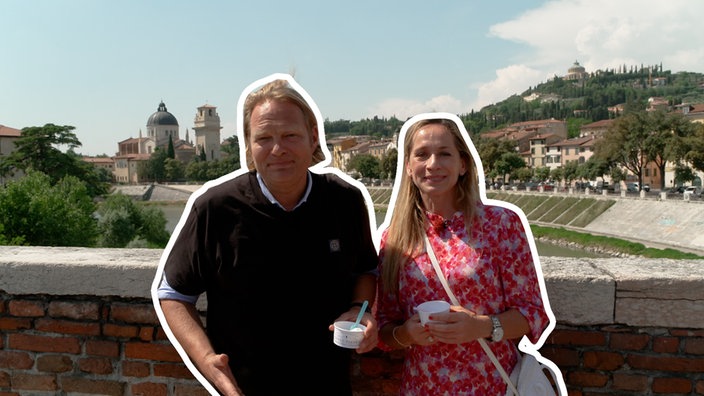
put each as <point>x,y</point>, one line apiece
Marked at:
<point>81,321</point>
<point>651,220</point>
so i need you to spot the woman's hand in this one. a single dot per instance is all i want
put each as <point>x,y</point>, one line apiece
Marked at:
<point>458,326</point>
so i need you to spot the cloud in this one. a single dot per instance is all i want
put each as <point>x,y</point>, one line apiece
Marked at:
<point>405,108</point>
<point>511,80</point>
<point>604,34</point>
<point>599,34</point>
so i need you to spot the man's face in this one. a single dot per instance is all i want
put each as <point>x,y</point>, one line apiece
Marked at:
<point>282,146</point>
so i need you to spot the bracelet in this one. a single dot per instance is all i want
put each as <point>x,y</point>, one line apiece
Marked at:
<point>359,304</point>
<point>393,334</point>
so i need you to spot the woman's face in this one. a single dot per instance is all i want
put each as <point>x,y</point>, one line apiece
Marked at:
<point>434,163</point>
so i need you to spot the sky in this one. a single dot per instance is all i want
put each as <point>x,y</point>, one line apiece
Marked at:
<point>103,67</point>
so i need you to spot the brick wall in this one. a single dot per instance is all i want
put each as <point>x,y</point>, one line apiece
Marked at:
<point>87,345</point>
<point>624,327</point>
<point>113,346</point>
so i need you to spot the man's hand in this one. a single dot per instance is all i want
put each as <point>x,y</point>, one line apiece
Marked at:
<point>216,369</point>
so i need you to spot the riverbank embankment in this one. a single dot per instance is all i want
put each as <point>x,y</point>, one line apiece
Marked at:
<point>653,221</point>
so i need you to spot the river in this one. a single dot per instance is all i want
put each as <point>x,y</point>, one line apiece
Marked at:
<point>173,215</point>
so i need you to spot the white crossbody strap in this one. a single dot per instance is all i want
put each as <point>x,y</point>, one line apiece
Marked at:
<point>454,300</point>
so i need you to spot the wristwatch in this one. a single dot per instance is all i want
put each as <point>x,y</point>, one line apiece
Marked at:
<point>497,333</point>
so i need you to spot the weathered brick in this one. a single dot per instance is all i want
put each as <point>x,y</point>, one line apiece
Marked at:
<point>694,346</point>
<point>686,333</point>
<point>29,342</point>
<point>672,385</point>
<point>562,357</point>
<point>146,333</point>
<point>67,327</point>
<point>587,379</point>
<point>37,382</point>
<point>601,360</point>
<point>54,363</point>
<point>160,334</point>
<point>10,323</point>
<point>132,313</point>
<point>632,342</point>
<point>89,386</point>
<point>16,360</point>
<point>135,369</point>
<point>95,365</point>
<point>172,370</point>
<point>665,363</point>
<point>577,337</point>
<point>149,389</point>
<point>102,348</point>
<point>190,390</point>
<point>699,387</point>
<point>5,383</point>
<point>112,330</point>
<point>82,310</point>
<point>630,382</point>
<point>151,351</point>
<point>26,308</point>
<point>666,344</point>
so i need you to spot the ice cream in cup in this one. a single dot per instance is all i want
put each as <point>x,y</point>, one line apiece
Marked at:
<point>431,307</point>
<point>346,337</point>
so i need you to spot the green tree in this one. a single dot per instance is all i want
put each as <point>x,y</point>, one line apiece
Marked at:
<point>693,147</point>
<point>593,169</point>
<point>38,149</point>
<point>367,165</point>
<point>625,143</point>
<point>170,152</point>
<point>121,222</point>
<point>197,170</point>
<point>44,214</point>
<point>387,166</point>
<point>663,143</point>
<point>174,169</point>
<point>508,163</point>
<point>570,172</point>
<point>154,168</point>
<point>490,151</point>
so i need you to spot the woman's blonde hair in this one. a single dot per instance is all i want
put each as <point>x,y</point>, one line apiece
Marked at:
<point>278,90</point>
<point>407,226</point>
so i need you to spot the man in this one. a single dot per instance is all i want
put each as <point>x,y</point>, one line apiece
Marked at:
<point>282,251</point>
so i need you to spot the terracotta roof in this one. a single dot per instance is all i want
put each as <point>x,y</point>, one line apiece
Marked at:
<point>598,124</point>
<point>9,132</point>
<point>98,160</point>
<point>581,141</point>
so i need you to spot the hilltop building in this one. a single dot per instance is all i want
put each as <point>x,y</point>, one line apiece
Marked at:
<point>162,127</point>
<point>576,73</point>
<point>207,130</point>
<point>8,137</point>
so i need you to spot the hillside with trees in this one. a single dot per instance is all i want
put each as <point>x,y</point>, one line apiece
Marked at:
<point>576,102</point>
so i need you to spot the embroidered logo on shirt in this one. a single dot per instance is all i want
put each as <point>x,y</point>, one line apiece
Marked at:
<point>334,245</point>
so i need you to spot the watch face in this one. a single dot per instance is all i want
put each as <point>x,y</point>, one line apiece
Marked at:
<point>498,332</point>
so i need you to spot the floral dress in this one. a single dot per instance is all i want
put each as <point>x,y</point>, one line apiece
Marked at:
<point>490,271</point>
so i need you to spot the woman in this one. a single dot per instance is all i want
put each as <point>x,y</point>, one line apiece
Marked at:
<point>484,253</point>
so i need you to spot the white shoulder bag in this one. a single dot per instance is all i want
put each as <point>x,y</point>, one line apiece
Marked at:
<point>527,377</point>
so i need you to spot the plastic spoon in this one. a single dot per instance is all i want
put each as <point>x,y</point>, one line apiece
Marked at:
<point>359,316</point>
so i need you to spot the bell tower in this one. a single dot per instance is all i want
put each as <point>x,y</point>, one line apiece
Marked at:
<point>207,132</point>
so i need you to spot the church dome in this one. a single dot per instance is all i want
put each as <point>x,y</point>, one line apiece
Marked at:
<point>162,117</point>
<point>576,68</point>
